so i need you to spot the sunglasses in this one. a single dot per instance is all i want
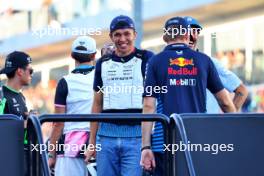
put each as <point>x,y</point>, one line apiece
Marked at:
<point>31,71</point>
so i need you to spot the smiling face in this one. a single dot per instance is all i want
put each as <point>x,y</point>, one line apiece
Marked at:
<point>124,40</point>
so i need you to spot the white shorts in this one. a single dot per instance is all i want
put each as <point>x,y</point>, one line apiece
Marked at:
<point>69,166</point>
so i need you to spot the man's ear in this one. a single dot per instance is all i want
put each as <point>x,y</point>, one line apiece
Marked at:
<point>135,33</point>
<point>187,37</point>
<point>19,71</point>
<point>165,38</point>
<point>93,55</point>
<point>111,36</point>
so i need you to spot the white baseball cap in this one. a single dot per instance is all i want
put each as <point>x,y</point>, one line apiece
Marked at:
<point>84,45</point>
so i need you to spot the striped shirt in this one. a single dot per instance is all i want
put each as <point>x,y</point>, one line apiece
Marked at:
<point>158,136</point>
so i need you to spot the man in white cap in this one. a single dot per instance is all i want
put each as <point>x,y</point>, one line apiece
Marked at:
<point>74,95</point>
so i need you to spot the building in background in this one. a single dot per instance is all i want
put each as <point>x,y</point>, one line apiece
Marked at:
<point>46,28</point>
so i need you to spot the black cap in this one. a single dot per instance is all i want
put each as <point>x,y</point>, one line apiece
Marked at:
<point>14,60</point>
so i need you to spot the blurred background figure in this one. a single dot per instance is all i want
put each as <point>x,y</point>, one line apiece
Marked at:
<point>108,48</point>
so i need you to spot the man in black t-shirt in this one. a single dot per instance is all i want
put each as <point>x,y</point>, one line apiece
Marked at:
<point>19,73</point>
<point>15,102</point>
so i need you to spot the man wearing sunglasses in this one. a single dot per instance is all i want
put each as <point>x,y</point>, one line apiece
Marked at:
<point>19,73</point>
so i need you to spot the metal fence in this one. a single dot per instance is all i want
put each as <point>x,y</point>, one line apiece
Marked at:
<point>219,144</point>
<point>113,117</point>
<point>244,133</point>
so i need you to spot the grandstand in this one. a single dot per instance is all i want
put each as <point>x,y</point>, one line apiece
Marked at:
<point>232,32</point>
<point>46,30</point>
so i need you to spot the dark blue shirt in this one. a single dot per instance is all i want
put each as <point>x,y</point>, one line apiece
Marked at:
<point>178,78</point>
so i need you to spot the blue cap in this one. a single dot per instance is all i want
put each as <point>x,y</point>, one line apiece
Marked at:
<point>121,22</point>
<point>192,22</point>
<point>179,21</point>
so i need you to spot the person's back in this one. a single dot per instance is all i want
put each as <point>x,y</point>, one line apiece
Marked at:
<point>80,95</point>
<point>186,75</point>
<point>74,95</point>
<point>178,78</point>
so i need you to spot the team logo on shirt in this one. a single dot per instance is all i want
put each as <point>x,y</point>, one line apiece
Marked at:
<point>182,82</point>
<point>182,62</point>
<point>182,71</point>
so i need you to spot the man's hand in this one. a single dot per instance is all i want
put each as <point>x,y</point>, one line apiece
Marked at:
<point>89,154</point>
<point>96,108</point>
<point>147,160</point>
<point>52,161</point>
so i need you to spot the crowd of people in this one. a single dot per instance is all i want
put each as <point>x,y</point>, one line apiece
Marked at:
<point>232,59</point>
<point>41,98</point>
<point>179,79</point>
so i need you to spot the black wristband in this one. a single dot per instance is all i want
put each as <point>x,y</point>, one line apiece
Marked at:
<point>146,147</point>
<point>50,155</point>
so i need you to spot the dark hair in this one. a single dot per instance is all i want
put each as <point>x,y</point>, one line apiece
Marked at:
<point>169,34</point>
<point>81,57</point>
<point>11,74</point>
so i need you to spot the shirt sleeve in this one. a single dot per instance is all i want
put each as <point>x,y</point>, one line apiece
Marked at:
<point>147,57</point>
<point>229,79</point>
<point>150,80</point>
<point>61,93</point>
<point>214,83</point>
<point>98,83</point>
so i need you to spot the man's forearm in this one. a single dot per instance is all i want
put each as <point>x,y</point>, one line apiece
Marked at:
<point>96,108</point>
<point>148,108</point>
<point>56,134</point>
<point>228,107</point>
<point>146,133</point>
<point>224,101</point>
<point>241,94</point>
<point>93,131</point>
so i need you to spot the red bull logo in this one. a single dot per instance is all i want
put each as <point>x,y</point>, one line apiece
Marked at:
<point>183,71</point>
<point>181,62</point>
